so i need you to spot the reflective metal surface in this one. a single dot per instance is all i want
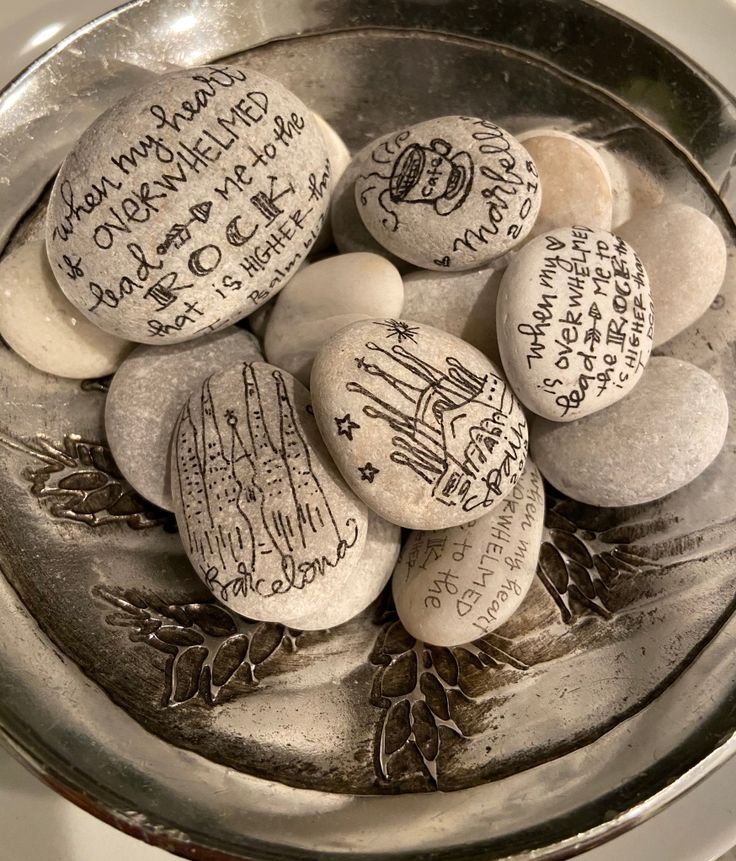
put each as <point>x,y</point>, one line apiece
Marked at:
<point>610,692</point>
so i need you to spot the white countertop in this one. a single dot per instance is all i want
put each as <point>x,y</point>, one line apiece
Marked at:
<point>38,825</point>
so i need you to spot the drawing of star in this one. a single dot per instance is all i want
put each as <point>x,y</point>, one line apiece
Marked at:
<point>345,426</point>
<point>368,472</point>
<point>400,330</point>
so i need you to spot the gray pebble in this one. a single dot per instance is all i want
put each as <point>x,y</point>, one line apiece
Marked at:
<point>147,394</point>
<point>656,440</point>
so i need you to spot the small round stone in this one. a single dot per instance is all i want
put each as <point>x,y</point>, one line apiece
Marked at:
<point>633,185</point>
<point>344,598</point>
<point>575,182</point>
<point>188,204</point>
<point>323,298</point>
<point>461,303</point>
<point>339,156</point>
<point>449,193</point>
<point>656,440</point>
<point>422,426</point>
<point>264,516</point>
<point>43,327</point>
<point>147,394</point>
<point>685,255</point>
<point>454,585</point>
<point>348,230</point>
<point>574,322</point>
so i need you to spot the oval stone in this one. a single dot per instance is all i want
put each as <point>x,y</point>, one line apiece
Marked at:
<point>685,255</point>
<point>324,297</point>
<point>347,596</point>
<point>452,586</point>
<point>448,193</point>
<point>339,156</point>
<point>188,204</point>
<point>461,303</point>
<point>634,186</point>
<point>658,439</point>
<point>43,327</point>
<point>574,178</point>
<point>574,322</point>
<point>422,426</point>
<point>264,516</point>
<point>146,396</point>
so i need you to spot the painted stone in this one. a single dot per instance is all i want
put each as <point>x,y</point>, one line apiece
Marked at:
<point>454,585</point>
<point>574,178</point>
<point>188,204</point>
<point>461,303</point>
<point>348,231</point>
<point>146,396</point>
<point>323,298</point>
<point>659,438</point>
<point>574,322</point>
<point>43,327</point>
<point>422,426</point>
<point>685,256</point>
<point>449,193</point>
<point>339,156</point>
<point>346,597</point>
<point>263,514</point>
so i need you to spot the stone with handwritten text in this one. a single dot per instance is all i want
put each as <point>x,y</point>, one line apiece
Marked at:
<point>685,255</point>
<point>147,394</point>
<point>423,426</point>
<point>659,438</point>
<point>452,586</point>
<point>575,322</point>
<point>265,518</point>
<point>339,156</point>
<point>43,327</point>
<point>449,193</point>
<point>188,204</point>
<point>324,297</point>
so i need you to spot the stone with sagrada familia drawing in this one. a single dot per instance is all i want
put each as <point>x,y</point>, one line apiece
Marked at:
<point>265,518</point>
<point>422,426</point>
<point>188,204</point>
<point>448,193</point>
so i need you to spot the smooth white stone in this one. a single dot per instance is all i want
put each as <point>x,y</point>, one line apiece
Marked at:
<point>449,193</point>
<point>461,303</point>
<point>634,187</point>
<point>422,426</point>
<point>685,257</point>
<point>258,320</point>
<point>659,438</point>
<point>324,297</point>
<point>156,250</point>
<point>339,156</point>
<point>454,585</point>
<point>574,322</point>
<point>576,188</point>
<point>264,516</point>
<point>43,327</point>
<point>372,573</point>
<point>348,231</point>
<point>147,394</point>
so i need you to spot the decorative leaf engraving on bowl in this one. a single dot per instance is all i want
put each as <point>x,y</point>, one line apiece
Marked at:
<point>208,646</point>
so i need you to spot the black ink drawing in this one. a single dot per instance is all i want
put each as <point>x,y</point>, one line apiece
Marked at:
<point>452,428</point>
<point>420,174</point>
<point>257,517</point>
<point>204,260</point>
<point>164,291</point>
<point>266,202</point>
<point>368,472</point>
<point>235,237</point>
<point>179,234</point>
<point>346,426</point>
<point>401,331</point>
<point>73,268</point>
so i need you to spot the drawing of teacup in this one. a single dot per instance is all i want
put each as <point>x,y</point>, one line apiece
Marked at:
<point>427,174</point>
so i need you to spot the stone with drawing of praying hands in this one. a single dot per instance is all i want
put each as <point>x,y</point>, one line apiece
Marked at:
<point>422,426</point>
<point>188,204</point>
<point>265,518</point>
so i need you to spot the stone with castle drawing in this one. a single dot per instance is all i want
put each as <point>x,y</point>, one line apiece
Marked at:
<point>422,425</point>
<point>188,204</point>
<point>265,518</point>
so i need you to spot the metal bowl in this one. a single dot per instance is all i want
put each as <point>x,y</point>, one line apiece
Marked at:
<point>129,691</point>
